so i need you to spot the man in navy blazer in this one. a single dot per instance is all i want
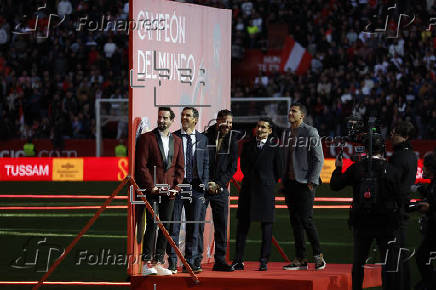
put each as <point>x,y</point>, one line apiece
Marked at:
<point>192,199</point>
<point>303,158</point>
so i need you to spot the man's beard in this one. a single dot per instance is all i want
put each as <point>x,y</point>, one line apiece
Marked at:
<point>161,127</point>
<point>224,131</point>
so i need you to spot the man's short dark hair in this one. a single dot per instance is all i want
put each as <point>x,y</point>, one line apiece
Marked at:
<point>267,120</point>
<point>194,111</point>
<point>223,113</point>
<point>405,129</point>
<point>168,109</point>
<point>302,107</point>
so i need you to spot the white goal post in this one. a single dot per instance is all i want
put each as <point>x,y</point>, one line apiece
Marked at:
<point>109,110</point>
<point>249,110</point>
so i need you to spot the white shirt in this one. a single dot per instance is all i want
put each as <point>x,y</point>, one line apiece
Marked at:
<point>184,139</point>
<point>165,143</point>
<point>109,49</point>
<point>126,8</point>
<point>247,7</point>
<point>262,142</point>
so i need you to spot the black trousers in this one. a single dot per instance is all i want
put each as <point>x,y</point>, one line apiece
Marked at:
<point>164,209</point>
<point>193,209</point>
<point>425,257</point>
<point>241,237</point>
<point>403,275</point>
<point>388,256</point>
<point>220,209</point>
<point>299,199</point>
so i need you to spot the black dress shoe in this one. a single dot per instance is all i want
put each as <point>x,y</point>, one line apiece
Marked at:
<point>263,267</point>
<point>238,266</point>
<point>196,269</point>
<point>223,267</point>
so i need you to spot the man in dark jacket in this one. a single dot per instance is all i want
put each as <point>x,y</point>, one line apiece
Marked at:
<point>426,253</point>
<point>381,224</point>
<point>261,164</point>
<point>196,159</point>
<point>404,158</point>
<point>223,163</point>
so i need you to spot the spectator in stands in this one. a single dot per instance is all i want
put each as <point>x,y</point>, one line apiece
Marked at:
<point>64,8</point>
<point>121,149</point>
<point>29,148</point>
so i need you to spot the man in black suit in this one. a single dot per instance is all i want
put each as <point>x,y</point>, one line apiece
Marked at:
<point>404,158</point>
<point>261,164</point>
<point>223,163</point>
<point>197,175</point>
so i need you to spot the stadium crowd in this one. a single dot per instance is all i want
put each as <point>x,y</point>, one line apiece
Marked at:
<point>48,86</point>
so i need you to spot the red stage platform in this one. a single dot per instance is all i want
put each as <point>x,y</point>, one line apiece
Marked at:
<point>334,277</point>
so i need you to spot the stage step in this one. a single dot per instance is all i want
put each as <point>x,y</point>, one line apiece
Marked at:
<point>334,277</point>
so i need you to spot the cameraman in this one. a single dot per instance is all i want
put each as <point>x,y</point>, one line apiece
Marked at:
<point>426,252</point>
<point>382,223</point>
<point>404,158</point>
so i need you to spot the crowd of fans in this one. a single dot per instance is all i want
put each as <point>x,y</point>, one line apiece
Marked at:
<point>48,86</point>
<point>387,74</point>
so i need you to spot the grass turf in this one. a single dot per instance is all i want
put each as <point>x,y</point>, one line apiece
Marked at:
<point>109,233</point>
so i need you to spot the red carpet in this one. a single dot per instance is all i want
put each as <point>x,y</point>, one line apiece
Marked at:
<point>334,277</point>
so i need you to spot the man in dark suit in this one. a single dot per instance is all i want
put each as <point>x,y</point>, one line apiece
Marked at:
<point>159,160</point>
<point>404,158</point>
<point>261,164</point>
<point>303,158</point>
<point>197,175</point>
<point>380,221</point>
<point>223,163</point>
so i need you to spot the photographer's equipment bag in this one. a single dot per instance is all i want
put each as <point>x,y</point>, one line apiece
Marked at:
<point>374,203</point>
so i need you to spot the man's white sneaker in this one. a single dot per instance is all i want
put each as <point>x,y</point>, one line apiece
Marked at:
<point>161,271</point>
<point>320,262</point>
<point>146,270</point>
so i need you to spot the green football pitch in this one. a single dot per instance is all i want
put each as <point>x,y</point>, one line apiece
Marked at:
<point>57,228</point>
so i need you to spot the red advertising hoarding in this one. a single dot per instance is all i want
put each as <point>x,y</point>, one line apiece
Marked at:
<point>64,169</point>
<point>26,169</point>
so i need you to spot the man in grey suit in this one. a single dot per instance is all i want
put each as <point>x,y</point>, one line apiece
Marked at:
<point>303,158</point>
<point>196,157</point>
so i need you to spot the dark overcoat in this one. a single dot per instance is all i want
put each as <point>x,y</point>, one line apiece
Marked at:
<point>262,170</point>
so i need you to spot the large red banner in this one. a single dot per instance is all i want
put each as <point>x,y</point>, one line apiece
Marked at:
<point>256,61</point>
<point>184,61</point>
